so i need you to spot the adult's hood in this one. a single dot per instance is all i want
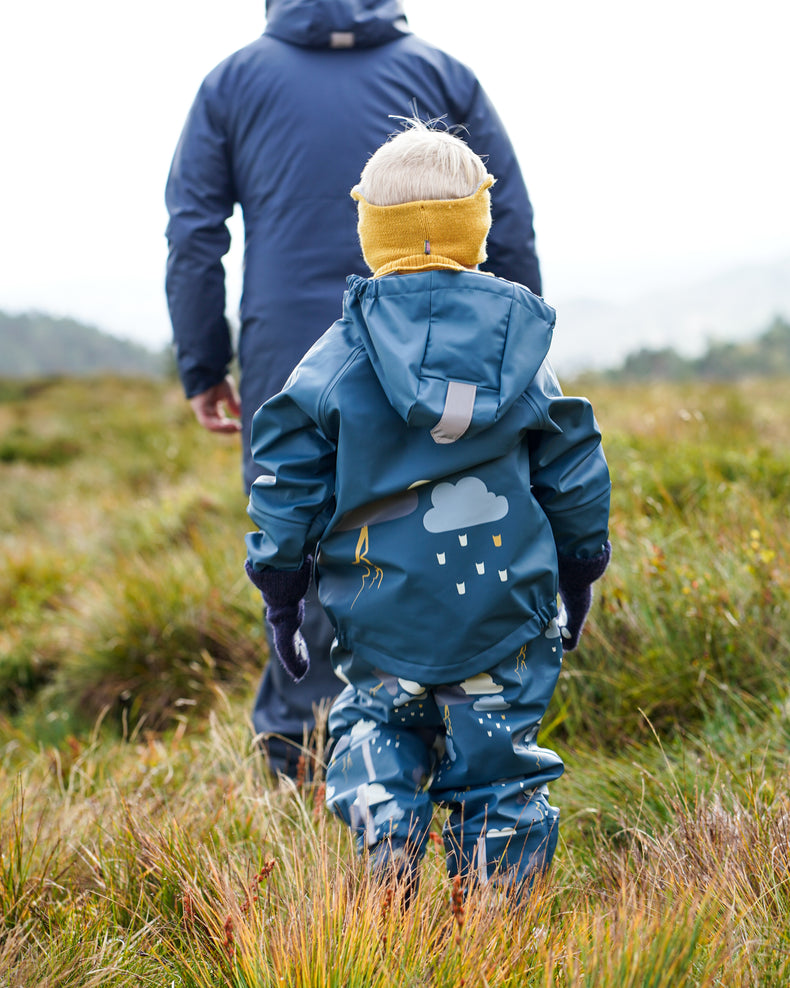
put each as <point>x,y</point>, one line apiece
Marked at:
<point>452,350</point>
<point>336,23</point>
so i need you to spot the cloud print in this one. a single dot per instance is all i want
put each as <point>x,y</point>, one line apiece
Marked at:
<point>491,703</point>
<point>462,505</point>
<point>372,793</point>
<point>363,727</point>
<point>481,684</point>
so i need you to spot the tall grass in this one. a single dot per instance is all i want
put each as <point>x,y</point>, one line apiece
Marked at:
<point>121,574</point>
<point>143,843</point>
<point>696,601</point>
<point>184,865</point>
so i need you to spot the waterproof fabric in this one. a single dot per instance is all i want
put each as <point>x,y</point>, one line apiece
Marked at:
<point>284,127</point>
<point>424,452</point>
<point>471,745</point>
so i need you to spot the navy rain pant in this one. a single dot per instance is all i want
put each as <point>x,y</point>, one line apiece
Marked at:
<point>401,747</point>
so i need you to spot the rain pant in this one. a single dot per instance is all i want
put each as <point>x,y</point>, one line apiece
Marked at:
<point>470,746</point>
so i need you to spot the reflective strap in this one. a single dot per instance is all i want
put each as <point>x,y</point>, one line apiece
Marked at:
<point>457,415</point>
<point>342,39</point>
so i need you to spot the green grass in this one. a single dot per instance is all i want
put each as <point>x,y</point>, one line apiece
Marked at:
<point>142,843</point>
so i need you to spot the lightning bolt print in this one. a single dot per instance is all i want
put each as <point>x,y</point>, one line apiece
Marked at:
<point>375,573</point>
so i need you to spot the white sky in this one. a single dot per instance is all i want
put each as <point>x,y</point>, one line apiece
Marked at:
<point>652,136</point>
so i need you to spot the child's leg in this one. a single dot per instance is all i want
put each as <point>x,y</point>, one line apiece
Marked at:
<point>494,775</point>
<point>383,758</point>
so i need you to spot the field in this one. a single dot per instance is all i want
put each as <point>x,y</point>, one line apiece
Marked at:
<point>142,843</point>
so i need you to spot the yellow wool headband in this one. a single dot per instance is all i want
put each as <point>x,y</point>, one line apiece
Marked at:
<point>430,233</point>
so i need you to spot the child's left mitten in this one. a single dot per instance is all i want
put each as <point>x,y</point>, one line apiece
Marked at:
<point>283,593</point>
<point>576,577</point>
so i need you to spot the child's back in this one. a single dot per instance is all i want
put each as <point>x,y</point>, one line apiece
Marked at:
<point>424,452</point>
<point>427,388</point>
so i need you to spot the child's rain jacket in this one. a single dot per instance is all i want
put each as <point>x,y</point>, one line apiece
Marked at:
<point>424,452</point>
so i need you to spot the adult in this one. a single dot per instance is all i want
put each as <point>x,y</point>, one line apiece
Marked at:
<point>283,127</point>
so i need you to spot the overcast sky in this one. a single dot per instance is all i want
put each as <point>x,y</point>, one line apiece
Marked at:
<point>652,136</point>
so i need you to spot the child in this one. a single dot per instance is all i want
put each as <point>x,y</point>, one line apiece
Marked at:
<point>424,466</point>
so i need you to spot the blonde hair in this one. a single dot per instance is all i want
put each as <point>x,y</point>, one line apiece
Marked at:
<point>421,163</point>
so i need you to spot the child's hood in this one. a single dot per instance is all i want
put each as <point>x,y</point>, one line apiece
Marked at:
<point>452,350</point>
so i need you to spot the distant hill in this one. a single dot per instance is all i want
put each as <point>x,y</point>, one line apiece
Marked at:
<point>733,306</point>
<point>37,345</point>
<point>766,356</point>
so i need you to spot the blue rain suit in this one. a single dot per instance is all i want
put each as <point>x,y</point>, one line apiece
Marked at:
<point>284,127</point>
<point>423,451</point>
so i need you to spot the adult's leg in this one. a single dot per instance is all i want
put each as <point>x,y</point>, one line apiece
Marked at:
<point>283,715</point>
<point>494,775</point>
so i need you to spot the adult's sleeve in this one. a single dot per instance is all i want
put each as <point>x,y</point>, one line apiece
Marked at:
<point>569,474</point>
<point>292,499</point>
<point>511,243</point>
<point>199,197</point>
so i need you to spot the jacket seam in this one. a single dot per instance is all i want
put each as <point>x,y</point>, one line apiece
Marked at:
<point>351,358</point>
<point>540,412</point>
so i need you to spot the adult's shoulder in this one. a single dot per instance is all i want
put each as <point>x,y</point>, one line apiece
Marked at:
<point>417,46</point>
<point>255,57</point>
<point>437,66</point>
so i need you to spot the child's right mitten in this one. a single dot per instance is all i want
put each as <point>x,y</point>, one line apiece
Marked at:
<point>283,593</point>
<point>576,577</point>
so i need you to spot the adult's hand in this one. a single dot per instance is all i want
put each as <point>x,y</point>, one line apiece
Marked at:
<point>214,407</point>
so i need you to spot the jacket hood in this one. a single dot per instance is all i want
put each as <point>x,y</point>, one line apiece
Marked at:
<point>452,350</point>
<point>336,23</point>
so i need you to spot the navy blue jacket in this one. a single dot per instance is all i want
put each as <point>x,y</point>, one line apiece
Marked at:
<point>423,450</point>
<point>284,127</point>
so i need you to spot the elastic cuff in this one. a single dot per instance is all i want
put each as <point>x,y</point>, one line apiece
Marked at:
<point>279,587</point>
<point>576,572</point>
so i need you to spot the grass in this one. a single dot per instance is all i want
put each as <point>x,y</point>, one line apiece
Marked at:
<point>142,843</point>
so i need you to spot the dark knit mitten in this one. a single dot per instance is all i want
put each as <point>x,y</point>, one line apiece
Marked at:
<point>576,578</point>
<point>283,593</point>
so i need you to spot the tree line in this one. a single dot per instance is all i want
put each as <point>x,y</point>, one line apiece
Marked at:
<point>766,356</point>
<point>34,344</point>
